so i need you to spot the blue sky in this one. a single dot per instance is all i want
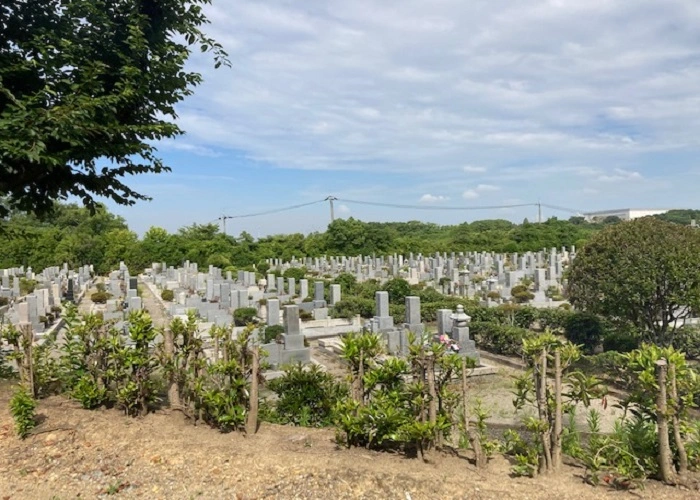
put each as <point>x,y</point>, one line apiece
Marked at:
<point>584,104</point>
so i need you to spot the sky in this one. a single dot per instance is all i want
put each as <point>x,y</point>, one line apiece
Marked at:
<point>587,105</point>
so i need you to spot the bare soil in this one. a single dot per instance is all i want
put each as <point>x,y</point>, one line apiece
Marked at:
<point>76,453</point>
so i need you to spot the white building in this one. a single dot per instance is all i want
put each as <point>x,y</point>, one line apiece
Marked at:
<point>623,213</point>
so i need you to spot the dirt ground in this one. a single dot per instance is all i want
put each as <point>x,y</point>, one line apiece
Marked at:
<point>76,453</point>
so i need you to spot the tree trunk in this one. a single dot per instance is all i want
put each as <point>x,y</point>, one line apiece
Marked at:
<point>252,424</point>
<point>675,420</point>
<point>432,404</point>
<point>472,435</point>
<point>665,463</point>
<point>173,388</point>
<point>541,385</point>
<point>28,361</point>
<point>360,380</point>
<point>556,441</point>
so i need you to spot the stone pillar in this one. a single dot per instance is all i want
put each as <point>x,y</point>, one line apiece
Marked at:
<point>303,288</point>
<point>319,292</point>
<point>444,322</point>
<point>273,312</point>
<point>335,294</point>
<point>280,285</point>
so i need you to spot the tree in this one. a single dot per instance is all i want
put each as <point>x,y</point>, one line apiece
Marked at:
<point>87,81</point>
<point>645,272</point>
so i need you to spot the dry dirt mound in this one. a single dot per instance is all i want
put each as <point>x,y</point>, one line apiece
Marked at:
<point>78,453</point>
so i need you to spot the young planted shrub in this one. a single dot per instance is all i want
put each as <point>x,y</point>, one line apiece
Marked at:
<point>552,403</point>
<point>223,392</point>
<point>100,297</point>
<point>136,387</point>
<point>387,410</point>
<point>307,396</point>
<point>662,389</point>
<point>167,295</point>
<point>89,359</point>
<point>23,407</point>
<point>182,357</point>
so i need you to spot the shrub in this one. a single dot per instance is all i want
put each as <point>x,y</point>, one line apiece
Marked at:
<point>100,297</point>
<point>352,306</point>
<point>167,295</point>
<point>521,294</point>
<point>493,295</point>
<point>4,301</point>
<point>306,315</point>
<point>584,329</point>
<point>295,272</point>
<point>271,332</point>
<point>23,407</point>
<point>306,396</point>
<point>26,286</point>
<point>398,289</point>
<point>100,287</point>
<point>552,318</point>
<point>499,339</point>
<point>621,341</point>
<point>244,315</point>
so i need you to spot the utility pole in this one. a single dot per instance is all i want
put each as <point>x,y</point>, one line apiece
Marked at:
<point>223,221</point>
<point>539,212</point>
<point>330,200</point>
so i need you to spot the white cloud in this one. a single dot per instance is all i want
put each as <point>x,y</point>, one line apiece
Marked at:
<point>429,198</point>
<point>487,187</point>
<point>443,94</point>
<point>343,209</point>
<point>619,174</point>
<point>472,169</point>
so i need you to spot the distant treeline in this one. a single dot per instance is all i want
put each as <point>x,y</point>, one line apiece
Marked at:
<point>71,235</point>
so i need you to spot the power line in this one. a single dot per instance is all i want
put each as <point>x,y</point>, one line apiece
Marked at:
<point>273,211</point>
<point>423,207</point>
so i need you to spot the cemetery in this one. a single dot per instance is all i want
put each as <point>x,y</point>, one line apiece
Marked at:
<point>462,332</point>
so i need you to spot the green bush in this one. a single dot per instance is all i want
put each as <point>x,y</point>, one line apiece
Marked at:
<point>100,297</point>
<point>352,306</point>
<point>297,273</point>
<point>89,394</point>
<point>167,295</point>
<point>621,341</point>
<point>271,332</point>
<point>306,315</point>
<point>244,315</point>
<point>552,318</point>
<point>584,329</point>
<point>398,289</point>
<point>23,408</point>
<point>521,294</point>
<point>499,339</point>
<point>306,396</point>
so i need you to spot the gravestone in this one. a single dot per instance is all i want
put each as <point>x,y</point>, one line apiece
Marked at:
<point>273,312</point>
<point>335,294</point>
<point>413,319</point>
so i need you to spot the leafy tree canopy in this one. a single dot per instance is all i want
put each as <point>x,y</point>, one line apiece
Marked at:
<point>645,271</point>
<point>86,87</point>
